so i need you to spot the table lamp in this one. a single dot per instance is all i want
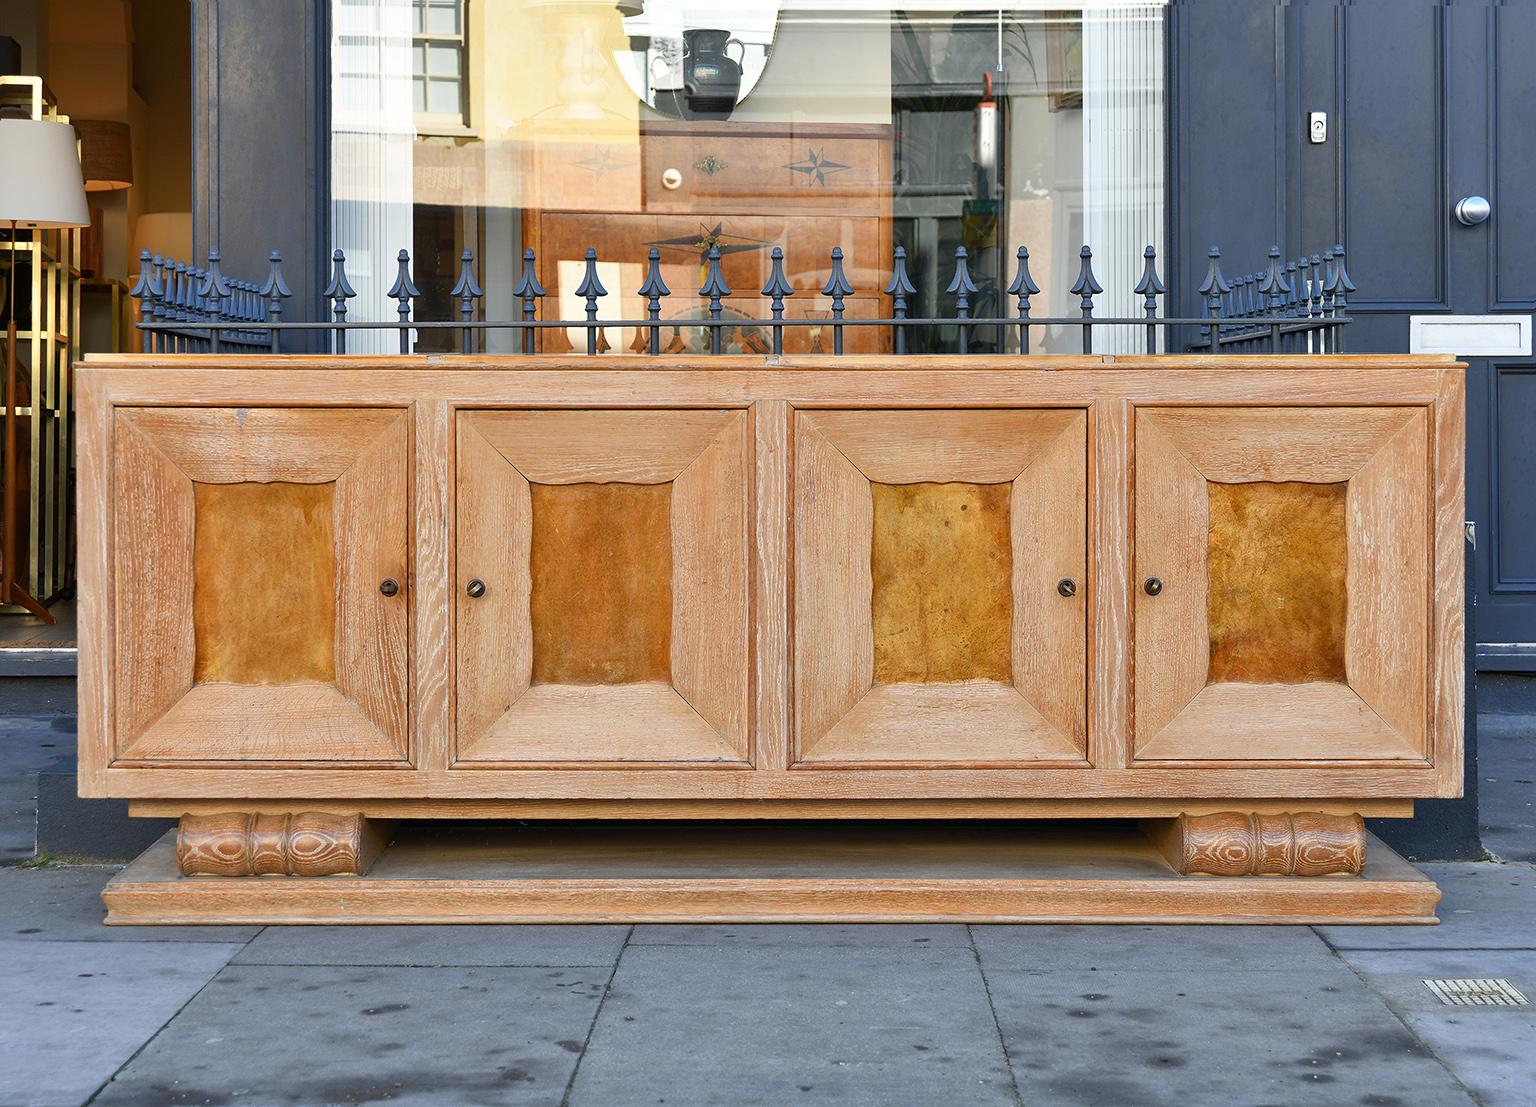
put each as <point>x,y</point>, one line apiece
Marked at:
<point>40,189</point>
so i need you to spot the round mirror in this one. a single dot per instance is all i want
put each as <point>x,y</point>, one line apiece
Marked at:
<point>696,60</point>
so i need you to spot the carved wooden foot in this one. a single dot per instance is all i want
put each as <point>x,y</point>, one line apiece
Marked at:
<point>1237,843</point>
<point>309,843</point>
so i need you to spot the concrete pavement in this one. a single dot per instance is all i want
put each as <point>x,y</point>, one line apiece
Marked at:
<point>609,1016</point>
<point>615,1015</point>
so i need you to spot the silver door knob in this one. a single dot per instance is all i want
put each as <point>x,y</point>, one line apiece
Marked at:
<point>1472,210</point>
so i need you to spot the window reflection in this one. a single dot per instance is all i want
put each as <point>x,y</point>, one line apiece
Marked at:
<point>500,125</point>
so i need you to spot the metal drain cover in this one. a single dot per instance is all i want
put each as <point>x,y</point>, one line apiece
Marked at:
<point>1477,993</point>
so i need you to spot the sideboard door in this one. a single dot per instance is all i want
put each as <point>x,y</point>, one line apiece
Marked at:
<point>602,588</point>
<point>261,585</point>
<point>1282,581</point>
<point>940,587</point>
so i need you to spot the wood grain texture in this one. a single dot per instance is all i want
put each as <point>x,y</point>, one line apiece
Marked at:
<point>600,602</point>
<point>941,569</point>
<point>885,717</point>
<point>1319,444</point>
<point>152,642</point>
<point>1233,844</point>
<point>965,721</point>
<point>302,721</point>
<point>684,596</point>
<point>1111,556</point>
<point>1108,384</point>
<point>582,447</point>
<point>1172,628</point>
<point>94,505</point>
<point>432,569</point>
<point>364,717</point>
<point>264,583</point>
<point>923,873</point>
<point>768,624</point>
<point>1277,601</point>
<point>710,630</point>
<point>1049,534</point>
<point>1320,720</point>
<point>233,445</point>
<point>976,446</point>
<point>1448,594</point>
<point>1388,634</point>
<point>494,657</point>
<point>846,809</point>
<point>834,637</point>
<point>303,844</point>
<point>622,724</point>
<point>373,540</point>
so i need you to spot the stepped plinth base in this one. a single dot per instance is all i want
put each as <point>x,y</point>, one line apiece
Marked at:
<point>744,872</point>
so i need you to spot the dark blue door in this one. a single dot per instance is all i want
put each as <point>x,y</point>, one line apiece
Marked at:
<point>1436,105</point>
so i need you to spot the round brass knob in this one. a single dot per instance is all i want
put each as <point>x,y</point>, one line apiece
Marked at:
<point>1067,586</point>
<point>1153,586</point>
<point>475,588</point>
<point>389,586</point>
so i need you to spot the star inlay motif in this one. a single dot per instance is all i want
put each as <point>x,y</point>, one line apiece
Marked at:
<point>816,165</point>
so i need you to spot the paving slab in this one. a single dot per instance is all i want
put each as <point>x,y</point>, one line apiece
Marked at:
<point>273,1034</point>
<point>1313,1035</point>
<point>64,905</point>
<point>72,1012</point>
<point>27,744</point>
<point>1398,975</point>
<point>854,935</point>
<point>1491,1049</point>
<point>557,946</point>
<point>1196,948</point>
<point>1506,768</point>
<point>1485,906</point>
<point>765,1024</point>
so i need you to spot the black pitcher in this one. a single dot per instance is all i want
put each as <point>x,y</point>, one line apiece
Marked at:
<point>711,78</point>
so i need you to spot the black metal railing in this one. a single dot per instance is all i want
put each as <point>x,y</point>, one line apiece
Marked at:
<point>1299,305</point>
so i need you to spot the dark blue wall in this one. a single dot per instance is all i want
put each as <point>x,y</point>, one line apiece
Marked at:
<point>260,140</point>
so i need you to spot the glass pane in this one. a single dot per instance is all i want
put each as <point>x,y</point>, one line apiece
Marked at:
<point>442,61</point>
<point>443,18</point>
<point>443,97</point>
<point>749,124</point>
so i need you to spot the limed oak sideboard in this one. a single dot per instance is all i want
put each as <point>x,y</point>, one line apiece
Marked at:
<point>1183,621</point>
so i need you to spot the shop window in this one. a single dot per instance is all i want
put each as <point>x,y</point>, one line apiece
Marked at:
<point>746,125</point>
<point>437,61</point>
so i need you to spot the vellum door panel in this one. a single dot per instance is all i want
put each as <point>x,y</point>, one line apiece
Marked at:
<point>612,546</point>
<point>1293,550</point>
<point>250,546</point>
<point>929,626</point>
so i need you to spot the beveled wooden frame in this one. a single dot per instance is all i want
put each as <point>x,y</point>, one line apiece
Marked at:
<point>1110,386</point>
<point>158,454</point>
<point>842,716</point>
<point>1381,454</point>
<point>701,716</point>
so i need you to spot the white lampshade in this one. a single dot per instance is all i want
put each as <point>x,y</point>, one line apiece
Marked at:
<point>40,185</point>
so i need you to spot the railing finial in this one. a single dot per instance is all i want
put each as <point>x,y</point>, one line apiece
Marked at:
<point>716,289</point>
<point>1023,287</point>
<point>468,290</point>
<point>837,287</point>
<point>960,287</point>
<point>899,288</point>
<point>1086,286</point>
<point>777,288</point>
<point>589,290</point>
<point>653,289</point>
<point>1150,287</point>
<point>276,291</point>
<point>403,291</point>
